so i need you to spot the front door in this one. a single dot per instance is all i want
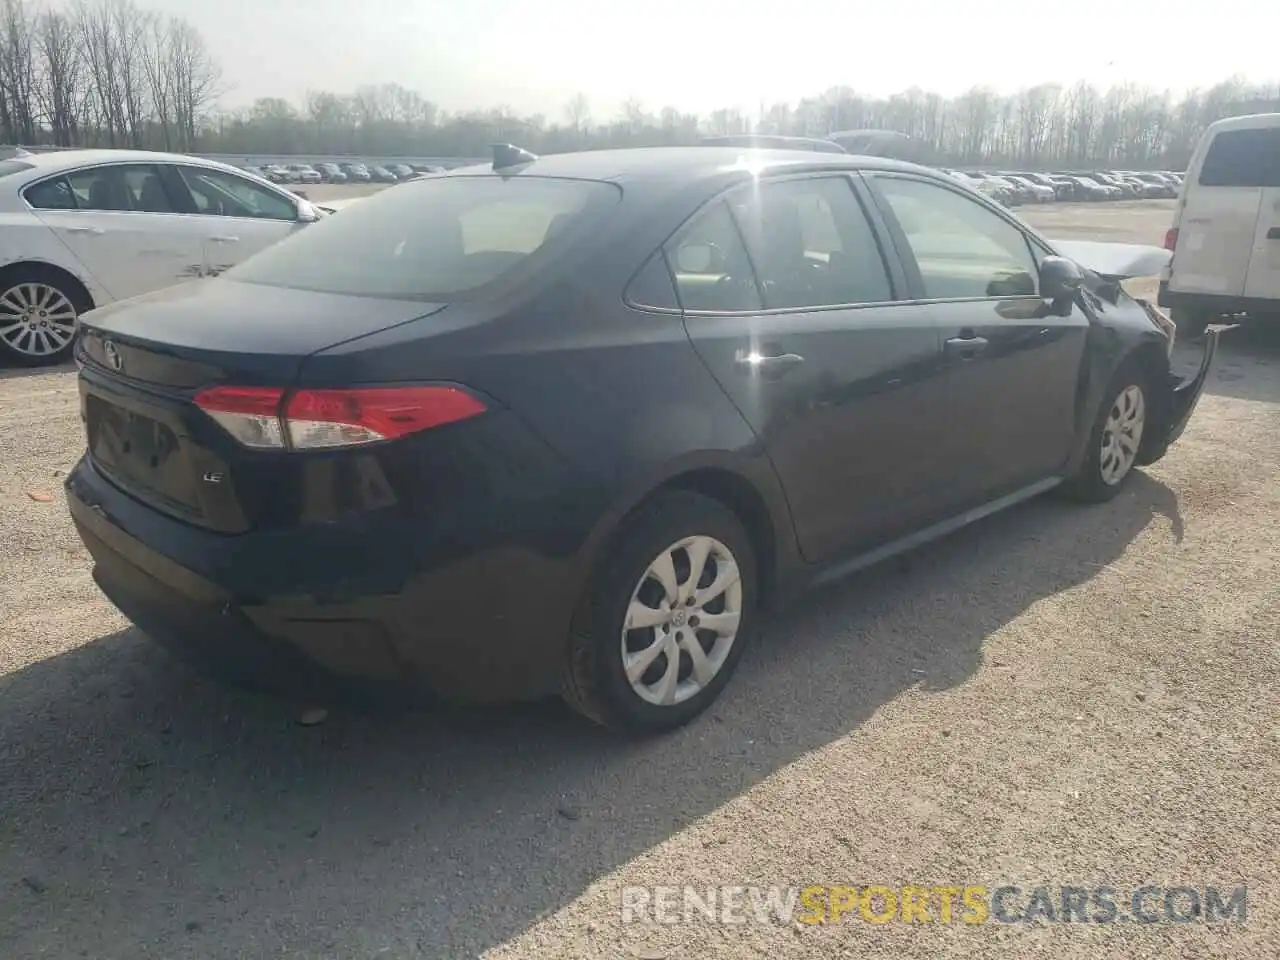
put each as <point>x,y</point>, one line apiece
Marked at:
<point>796,310</point>
<point>121,222</point>
<point>237,216</point>
<point>1013,365</point>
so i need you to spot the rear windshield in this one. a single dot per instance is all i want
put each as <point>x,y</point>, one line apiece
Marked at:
<point>437,239</point>
<point>1243,158</point>
<point>8,167</point>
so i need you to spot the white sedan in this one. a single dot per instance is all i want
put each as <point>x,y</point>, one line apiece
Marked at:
<point>83,228</point>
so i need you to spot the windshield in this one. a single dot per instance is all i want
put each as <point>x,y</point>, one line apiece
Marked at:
<point>437,239</point>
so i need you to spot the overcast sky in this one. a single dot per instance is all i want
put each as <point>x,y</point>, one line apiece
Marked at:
<point>701,54</point>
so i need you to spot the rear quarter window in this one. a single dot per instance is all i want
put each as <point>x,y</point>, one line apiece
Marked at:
<point>51,195</point>
<point>1243,158</point>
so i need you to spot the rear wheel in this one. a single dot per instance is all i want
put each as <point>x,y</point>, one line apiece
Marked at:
<point>1191,324</point>
<point>1115,439</point>
<point>663,625</point>
<point>39,310</point>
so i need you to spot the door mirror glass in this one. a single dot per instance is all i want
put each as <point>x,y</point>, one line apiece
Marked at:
<point>1060,278</point>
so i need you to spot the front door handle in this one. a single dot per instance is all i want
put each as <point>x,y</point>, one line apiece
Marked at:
<point>225,239</point>
<point>93,231</point>
<point>965,348</point>
<point>1273,233</point>
<point>769,366</point>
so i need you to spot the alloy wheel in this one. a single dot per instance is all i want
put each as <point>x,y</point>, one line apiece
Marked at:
<point>1122,434</point>
<point>36,319</point>
<point>682,620</point>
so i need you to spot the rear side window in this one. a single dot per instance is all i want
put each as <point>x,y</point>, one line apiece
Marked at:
<point>812,244</point>
<point>1243,158</point>
<point>435,239</point>
<point>117,188</point>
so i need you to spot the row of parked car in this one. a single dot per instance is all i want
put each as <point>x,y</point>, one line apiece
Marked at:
<point>1015,188</point>
<point>342,172</point>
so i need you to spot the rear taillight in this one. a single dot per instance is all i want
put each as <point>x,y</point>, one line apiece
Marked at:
<point>340,418</point>
<point>250,414</point>
<point>1171,239</point>
<point>266,417</point>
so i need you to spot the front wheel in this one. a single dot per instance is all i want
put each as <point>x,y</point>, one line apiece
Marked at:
<point>1116,438</point>
<point>664,622</point>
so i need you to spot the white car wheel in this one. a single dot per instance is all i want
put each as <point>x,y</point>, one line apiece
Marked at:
<point>38,317</point>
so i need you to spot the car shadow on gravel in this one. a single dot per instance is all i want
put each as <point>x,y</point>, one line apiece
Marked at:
<point>13,371</point>
<point>147,811</point>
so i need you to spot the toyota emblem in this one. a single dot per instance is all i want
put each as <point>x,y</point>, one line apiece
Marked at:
<point>112,355</point>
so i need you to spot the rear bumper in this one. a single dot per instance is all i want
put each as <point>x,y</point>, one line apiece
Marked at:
<point>1215,303</point>
<point>486,625</point>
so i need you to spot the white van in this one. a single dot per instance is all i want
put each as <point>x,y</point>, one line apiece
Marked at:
<point>1226,227</point>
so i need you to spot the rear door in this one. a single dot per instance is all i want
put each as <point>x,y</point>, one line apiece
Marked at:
<point>1225,215</point>
<point>124,224</point>
<point>237,217</point>
<point>1013,366</point>
<point>794,305</point>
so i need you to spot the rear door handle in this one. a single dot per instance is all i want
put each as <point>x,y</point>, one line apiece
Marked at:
<point>94,231</point>
<point>769,366</point>
<point>1273,233</point>
<point>225,239</point>
<point>965,348</point>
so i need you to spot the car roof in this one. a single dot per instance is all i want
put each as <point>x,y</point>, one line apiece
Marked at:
<point>684,163</point>
<point>54,161</point>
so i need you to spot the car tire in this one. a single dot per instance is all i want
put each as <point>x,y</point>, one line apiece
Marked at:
<point>677,526</point>
<point>1191,324</point>
<point>58,302</point>
<point>1115,438</point>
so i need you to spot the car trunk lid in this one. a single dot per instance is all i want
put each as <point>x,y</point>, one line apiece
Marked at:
<point>144,360</point>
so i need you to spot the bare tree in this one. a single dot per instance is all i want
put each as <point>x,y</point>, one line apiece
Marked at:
<point>17,71</point>
<point>60,88</point>
<point>111,72</point>
<point>578,110</point>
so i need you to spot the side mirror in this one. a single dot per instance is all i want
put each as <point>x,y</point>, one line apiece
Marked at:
<point>306,212</point>
<point>1060,280</point>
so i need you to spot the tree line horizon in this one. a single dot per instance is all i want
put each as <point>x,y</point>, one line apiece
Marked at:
<point>113,73</point>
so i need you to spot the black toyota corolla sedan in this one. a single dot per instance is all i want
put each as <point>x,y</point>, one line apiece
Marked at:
<point>565,424</point>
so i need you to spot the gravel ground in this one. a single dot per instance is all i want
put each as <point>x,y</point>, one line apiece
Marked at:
<point>1058,695</point>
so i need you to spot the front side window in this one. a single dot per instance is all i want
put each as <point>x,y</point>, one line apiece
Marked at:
<point>216,193</point>
<point>963,250</point>
<point>710,263</point>
<point>812,244</point>
<point>435,239</point>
